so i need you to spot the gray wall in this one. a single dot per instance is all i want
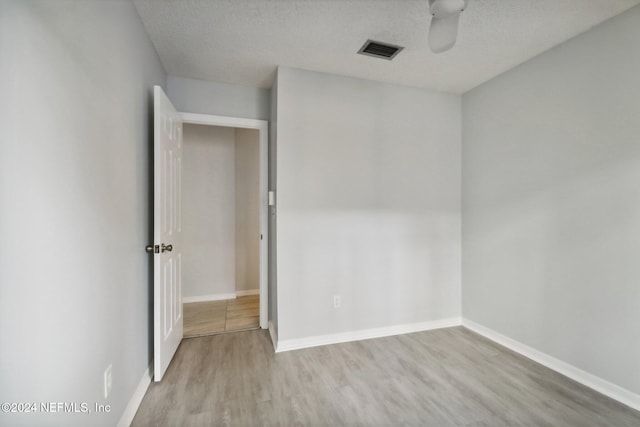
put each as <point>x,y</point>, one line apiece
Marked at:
<point>209,212</point>
<point>221,218</point>
<point>368,204</point>
<point>199,96</point>
<point>247,199</point>
<point>204,97</point>
<point>76,80</point>
<point>551,202</point>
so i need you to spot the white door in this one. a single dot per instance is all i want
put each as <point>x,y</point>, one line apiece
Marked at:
<point>167,232</point>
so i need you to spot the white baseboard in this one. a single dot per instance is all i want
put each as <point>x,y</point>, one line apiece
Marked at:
<point>220,297</point>
<point>274,336</point>
<point>600,385</point>
<point>365,334</point>
<point>134,403</point>
<point>214,297</point>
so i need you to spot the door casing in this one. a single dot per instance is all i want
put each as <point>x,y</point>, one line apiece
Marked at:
<point>263,131</point>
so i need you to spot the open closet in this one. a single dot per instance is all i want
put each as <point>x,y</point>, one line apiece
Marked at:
<point>221,229</point>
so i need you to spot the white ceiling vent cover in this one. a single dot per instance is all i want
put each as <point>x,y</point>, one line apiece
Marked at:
<point>380,50</point>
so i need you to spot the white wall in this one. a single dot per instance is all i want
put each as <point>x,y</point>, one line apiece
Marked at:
<point>551,202</point>
<point>368,204</point>
<point>199,96</point>
<point>273,252</point>
<point>209,225</point>
<point>247,199</point>
<point>76,80</point>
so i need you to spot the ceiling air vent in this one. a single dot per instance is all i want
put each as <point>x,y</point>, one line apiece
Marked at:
<point>380,50</point>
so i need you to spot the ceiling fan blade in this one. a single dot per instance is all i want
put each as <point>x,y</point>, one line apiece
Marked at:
<point>443,32</point>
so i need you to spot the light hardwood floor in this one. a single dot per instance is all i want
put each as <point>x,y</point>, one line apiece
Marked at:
<point>446,377</point>
<point>213,317</point>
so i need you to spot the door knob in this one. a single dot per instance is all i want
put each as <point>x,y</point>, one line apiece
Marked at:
<point>166,248</point>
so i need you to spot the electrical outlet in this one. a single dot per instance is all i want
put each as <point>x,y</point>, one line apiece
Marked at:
<point>108,380</point>
<point>336,301</point>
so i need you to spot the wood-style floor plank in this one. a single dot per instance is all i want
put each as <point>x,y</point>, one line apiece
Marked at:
<point>204,317</point>
<point>242,323</point>
<point>446,377</point>
<point>213,317</point>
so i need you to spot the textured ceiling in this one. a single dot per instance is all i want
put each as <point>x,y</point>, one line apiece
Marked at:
<point>243,41</point>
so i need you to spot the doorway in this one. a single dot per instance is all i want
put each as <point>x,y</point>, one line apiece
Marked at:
<point>224,224</point>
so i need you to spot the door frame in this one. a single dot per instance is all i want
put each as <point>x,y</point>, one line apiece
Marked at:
<point>263,134</point>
